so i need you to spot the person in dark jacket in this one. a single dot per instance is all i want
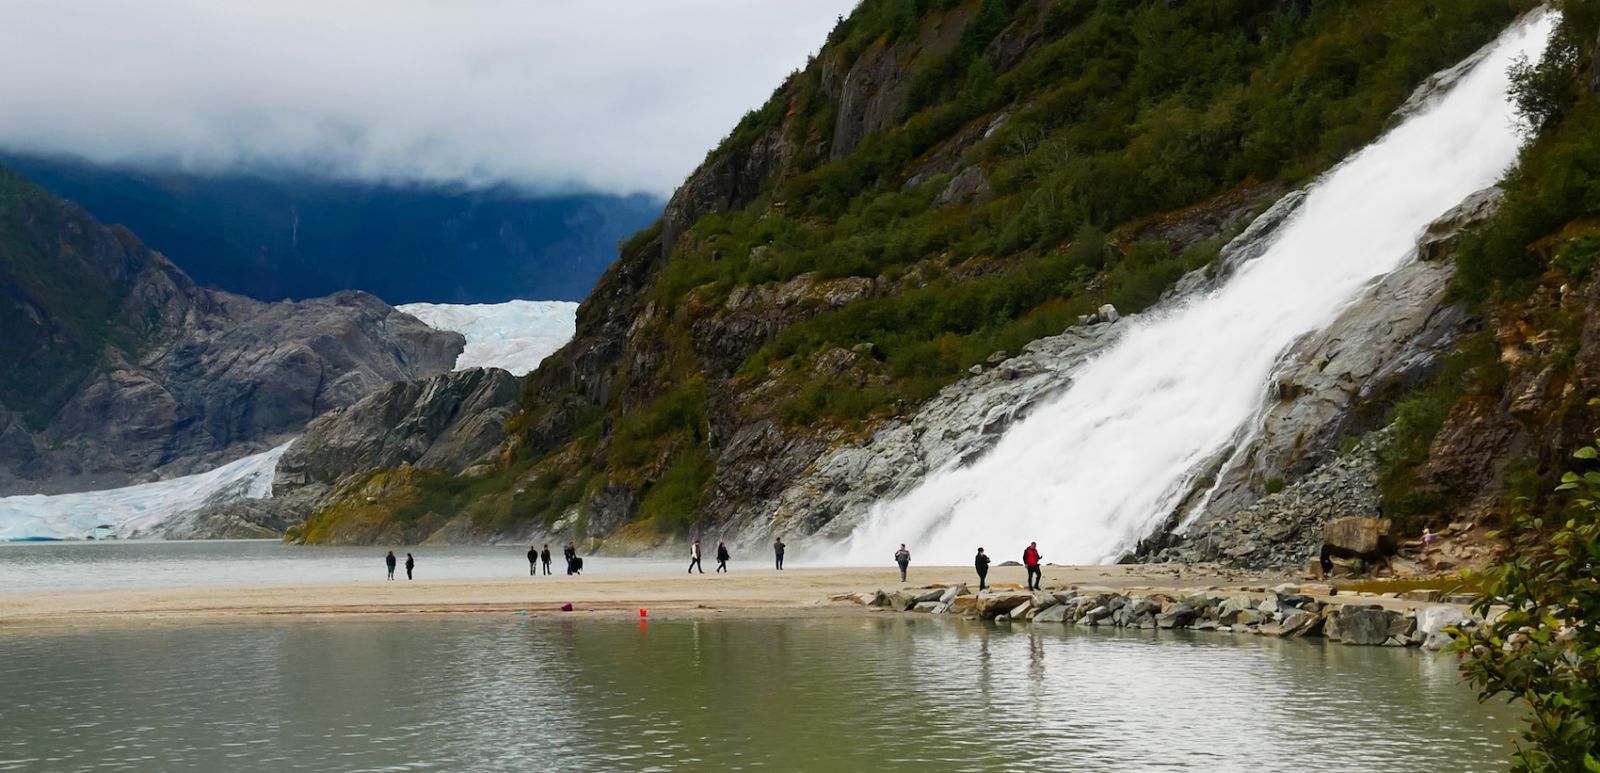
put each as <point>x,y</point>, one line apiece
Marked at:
<point>544,558</point>
<point>411,563</point>
<point>981,563</point>
<point>902,558</point>
<point>570,552</point>
<point>777,549</point>
<point>389,562</point>
<point>1030,559</point>
<point>722,556</point>
<point>1325,559</point>
<point>694,558</point>
<point>533,560</point>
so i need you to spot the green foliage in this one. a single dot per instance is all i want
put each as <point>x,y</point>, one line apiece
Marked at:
<point>1576,257</point>
<point>1475,369</point>
<point>678,415</point>
<point>673,501</point>
<point>1558,178</point>
<point>63,281</point>
<point>1543,649</point>
<point>1274,485</point>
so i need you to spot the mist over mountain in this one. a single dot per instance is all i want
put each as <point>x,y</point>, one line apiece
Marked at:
<point>274,236</point>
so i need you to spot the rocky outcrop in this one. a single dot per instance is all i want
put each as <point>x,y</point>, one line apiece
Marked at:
<point>1391,340</point>
<point>1283,529</point>
<point>1359,536</point>
<point>1286,611</point>
<point>164,377</point>
<point>445,422</point>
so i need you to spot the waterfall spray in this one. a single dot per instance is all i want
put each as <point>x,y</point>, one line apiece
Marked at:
<point>1090,473</point>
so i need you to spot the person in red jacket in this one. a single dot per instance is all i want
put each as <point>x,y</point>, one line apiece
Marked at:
<point>1030,559</point>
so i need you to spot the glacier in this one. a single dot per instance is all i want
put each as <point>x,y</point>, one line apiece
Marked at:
<point>145,510</point>
<point>514,336</point>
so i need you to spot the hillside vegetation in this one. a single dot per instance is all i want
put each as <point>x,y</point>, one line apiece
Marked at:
<point>945,180</point>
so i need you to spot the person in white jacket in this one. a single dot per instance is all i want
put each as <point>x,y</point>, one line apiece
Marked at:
<point>694,558</point>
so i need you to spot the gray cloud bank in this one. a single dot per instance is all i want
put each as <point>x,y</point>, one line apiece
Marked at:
<point>612,95</point>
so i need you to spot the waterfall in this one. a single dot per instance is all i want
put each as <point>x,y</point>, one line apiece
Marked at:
<point>1107,461</point>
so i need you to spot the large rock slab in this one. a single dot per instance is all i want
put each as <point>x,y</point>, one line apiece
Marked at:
<point>991,604</point>
<point>1359,536</point>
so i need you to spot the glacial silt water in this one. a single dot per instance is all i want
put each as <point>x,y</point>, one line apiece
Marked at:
<point>1104,463</point>
<point>890,693</point>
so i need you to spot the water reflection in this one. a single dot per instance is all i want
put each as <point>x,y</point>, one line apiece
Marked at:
<point>887,694</point>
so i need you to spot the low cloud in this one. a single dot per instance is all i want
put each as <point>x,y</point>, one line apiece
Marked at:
<point>612,95</point>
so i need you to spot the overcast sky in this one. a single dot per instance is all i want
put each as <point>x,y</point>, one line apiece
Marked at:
<point>614,95</point>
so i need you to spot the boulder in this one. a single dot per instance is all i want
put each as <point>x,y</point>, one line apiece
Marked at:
<point>1423,594</point>
<point>1431,622</point>
<point>962,605</point>
<point>1299,623</point>
<point>1359,536</point>
<point>1095,615</point>
<point>1368,625</point>
<point>990,604</point>
<point>926,606</point>
<point>1181,616</point>
<point>1054,614</point>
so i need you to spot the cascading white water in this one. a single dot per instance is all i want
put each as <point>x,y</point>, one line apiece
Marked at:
<point>1099,467</point>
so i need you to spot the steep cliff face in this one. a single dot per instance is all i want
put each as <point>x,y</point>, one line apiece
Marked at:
<point>120,367</point>
<point>946,183</point>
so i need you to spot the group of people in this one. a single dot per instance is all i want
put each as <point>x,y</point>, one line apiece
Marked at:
<point>389,561</point>
<point>538,558</point>
<point>723,556</point>
<point>1032,560</point>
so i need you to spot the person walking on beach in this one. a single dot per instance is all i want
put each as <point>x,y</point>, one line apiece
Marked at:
<point>777,549</point>
<point>533,560</point>
<point>544,558</point>
<point>411,563</point>
<point>694,558</point>
<point>903,558</point>
<point>722,556</point>
<point>981,563</point>
<point>570,552</point>
<point>389,562</point>
<point>1030,559</point>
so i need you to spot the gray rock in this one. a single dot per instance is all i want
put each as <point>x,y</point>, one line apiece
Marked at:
<point>1431,622</point>
<point>1053,614</point>
<point>1359,536</point>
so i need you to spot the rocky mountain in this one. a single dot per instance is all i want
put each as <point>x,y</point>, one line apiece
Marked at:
<point>280,236</point>
<point>885,264</point>
<point>120,368</point>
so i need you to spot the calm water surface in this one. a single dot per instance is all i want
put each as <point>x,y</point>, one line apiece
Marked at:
<point>35,566</point>
<point>888,693</point>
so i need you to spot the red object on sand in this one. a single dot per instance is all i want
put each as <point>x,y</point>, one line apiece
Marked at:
<point>643,613</point>
<point>567,607</point>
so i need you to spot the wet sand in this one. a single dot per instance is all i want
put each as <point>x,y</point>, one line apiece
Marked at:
<point>795,592</point>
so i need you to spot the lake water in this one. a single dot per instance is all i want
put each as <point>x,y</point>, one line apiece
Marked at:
<point>36,566</point>
<point>887,693</point>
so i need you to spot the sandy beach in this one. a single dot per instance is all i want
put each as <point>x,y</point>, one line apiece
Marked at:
<point>749,593</point>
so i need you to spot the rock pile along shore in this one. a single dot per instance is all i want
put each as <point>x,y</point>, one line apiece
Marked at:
<point>1283,611</point>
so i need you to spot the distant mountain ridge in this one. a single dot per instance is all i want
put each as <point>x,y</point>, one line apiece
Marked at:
<point>119,368</point>
<point>271,237</point>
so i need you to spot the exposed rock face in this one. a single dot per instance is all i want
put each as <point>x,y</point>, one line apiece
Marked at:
<point>444,422</point>
<point>1285,529</point>
<point>171,378</point>
<point>1358,536</point>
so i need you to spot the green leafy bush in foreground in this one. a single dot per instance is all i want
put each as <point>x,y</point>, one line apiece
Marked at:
<point>1544,650</point>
